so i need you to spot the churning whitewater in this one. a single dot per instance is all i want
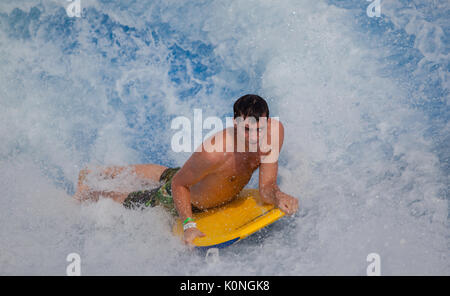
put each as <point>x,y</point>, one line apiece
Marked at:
<point>363,99</point>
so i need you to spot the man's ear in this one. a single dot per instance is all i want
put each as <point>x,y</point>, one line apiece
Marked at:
<point>238,120</point>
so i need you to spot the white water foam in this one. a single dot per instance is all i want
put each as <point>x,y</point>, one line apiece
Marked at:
<point>355,154</point>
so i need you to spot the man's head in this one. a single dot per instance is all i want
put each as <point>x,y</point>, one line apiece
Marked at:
<point>251,105</point>
<point>248,110</point>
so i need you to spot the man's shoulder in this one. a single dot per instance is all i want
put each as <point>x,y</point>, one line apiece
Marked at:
<point>275,129</point>
<point>215,143</point>
<point>213,149</point>
<point>276,121</point>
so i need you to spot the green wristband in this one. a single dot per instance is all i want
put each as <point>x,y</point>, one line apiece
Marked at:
<point>187,220</point>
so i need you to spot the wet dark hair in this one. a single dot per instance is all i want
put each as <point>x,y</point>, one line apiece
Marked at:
<point>251,105</point>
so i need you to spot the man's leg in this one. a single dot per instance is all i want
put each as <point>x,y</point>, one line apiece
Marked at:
<point>144,171</point>
<point>149,171</point>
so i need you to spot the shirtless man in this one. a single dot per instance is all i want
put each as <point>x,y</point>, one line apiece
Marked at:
<point>213,177</point>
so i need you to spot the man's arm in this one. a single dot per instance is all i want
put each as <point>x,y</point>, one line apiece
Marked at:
<point>196,168</point>
<point>268,188</point>
<point>271,193</point>
<point>268,182</point>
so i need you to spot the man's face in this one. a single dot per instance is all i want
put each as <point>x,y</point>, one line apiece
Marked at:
<point>254,131</point>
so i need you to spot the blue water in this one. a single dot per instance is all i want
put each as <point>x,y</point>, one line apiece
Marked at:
<point>364,102</point>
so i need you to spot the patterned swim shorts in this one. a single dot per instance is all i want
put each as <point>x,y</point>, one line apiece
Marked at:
<point>161,195</point>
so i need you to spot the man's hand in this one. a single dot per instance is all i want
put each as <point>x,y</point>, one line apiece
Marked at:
<point>190,234</point>
<point>286,203</point>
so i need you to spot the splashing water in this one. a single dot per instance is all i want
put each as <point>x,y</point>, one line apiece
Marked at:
<point>364,102</point>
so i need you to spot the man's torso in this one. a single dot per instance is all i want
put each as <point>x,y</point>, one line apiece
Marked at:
<point>227,180</point>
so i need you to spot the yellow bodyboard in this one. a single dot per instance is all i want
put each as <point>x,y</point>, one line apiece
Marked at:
<point>233,221</point>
